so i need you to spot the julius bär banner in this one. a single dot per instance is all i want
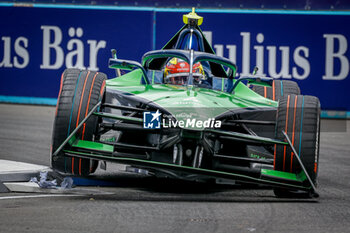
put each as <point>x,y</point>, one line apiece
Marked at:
<point>38,43</point>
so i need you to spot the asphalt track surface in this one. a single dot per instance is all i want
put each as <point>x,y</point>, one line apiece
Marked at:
<point>141,204</point>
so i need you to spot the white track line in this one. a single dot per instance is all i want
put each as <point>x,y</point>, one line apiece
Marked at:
<point>8,166</point>
<point>36,196</point>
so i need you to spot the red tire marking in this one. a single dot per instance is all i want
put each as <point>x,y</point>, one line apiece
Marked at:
<point>101,93</point>
<point>265,92</point>
<point>88,103</point>
<point>82,97</point>
<point>73,165</point>
<point>81,101</point>
<point>86,111</point>
<point>315,168</point>
<point>273,90</point>
<point>291,154</point>
<point>82,138</point>
<point>102,87</point>
<point>286,130</point>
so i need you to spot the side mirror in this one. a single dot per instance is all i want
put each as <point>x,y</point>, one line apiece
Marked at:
<point>260,81</point>
<point>123,64</point>
<point>253,79</point>
<point>127,65</point>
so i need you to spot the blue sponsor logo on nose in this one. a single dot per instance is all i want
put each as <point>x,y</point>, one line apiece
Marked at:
<point>151,120</point>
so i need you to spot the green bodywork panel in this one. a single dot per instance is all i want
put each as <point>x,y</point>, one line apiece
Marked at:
<point>88,145</point>
<point>284,175</point>
<point>200,103</point>
<point>72,140</point>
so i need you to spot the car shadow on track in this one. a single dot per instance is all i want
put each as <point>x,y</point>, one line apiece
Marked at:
<point>136,188</point>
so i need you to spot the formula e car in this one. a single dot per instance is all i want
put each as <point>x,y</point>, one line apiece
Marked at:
<point>183,112</point>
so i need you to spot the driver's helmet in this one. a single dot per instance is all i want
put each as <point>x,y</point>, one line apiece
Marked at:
<point>177,71</point>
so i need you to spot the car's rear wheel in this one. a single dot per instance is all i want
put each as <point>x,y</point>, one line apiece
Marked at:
<point>299,117</point>
<point>279,89</point>
<point>80,91</point>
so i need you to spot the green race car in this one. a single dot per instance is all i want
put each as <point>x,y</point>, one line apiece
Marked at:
<point>184,113</point>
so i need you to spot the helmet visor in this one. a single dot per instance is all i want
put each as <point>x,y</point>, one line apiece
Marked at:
<point>181,78</point>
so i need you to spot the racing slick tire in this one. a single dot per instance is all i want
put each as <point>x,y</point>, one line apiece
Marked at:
<point>279,89</point>
<point>299,117</point>
<point>80,91</point>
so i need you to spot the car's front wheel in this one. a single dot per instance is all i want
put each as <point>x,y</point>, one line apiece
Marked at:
<point>299,117</point>
<point>80,91</point>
